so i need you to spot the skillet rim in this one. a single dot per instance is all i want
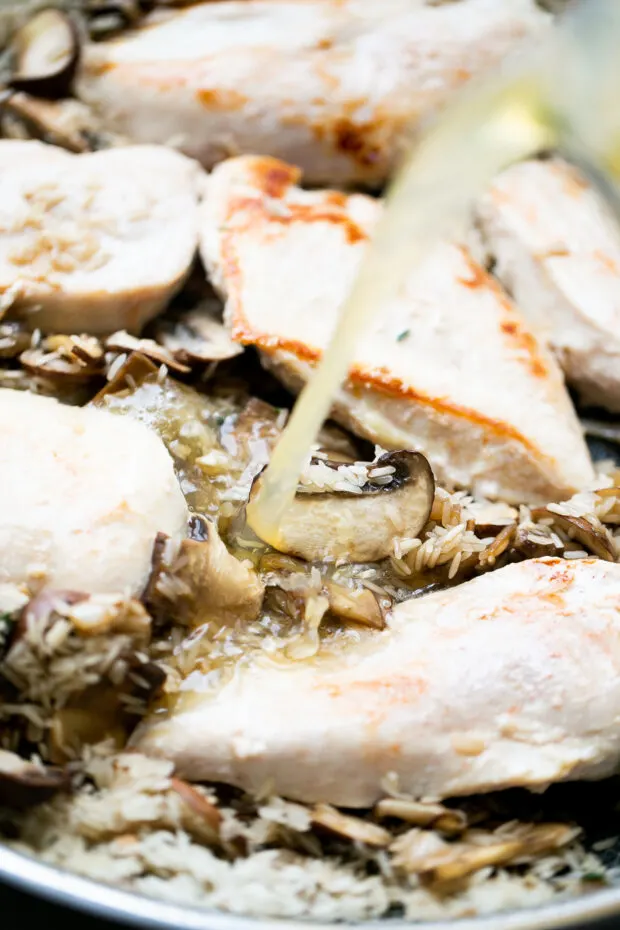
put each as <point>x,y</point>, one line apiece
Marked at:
<point>108,902</point>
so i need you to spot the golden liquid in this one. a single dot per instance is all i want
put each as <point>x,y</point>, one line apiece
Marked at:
<point>528,107</point>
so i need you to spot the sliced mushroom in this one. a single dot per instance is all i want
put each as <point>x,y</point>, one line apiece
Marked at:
<point>357,605</point>
<point>109,17</point>
<point>83,354</point>
<point>72,393</point>
<point>127,376</point>
<point>23,783</point>
<point>56,366</point>
<point>336,518</point>
<point>14,339</point>
<point>461,860</point>
<point>206,582</point>
<point>60,122</point>
<point>534,541</point>
<point>87,349</point>
<point>490,518</point>
<point>412,850</point>
<point>122,342</point>
<point>197,335</point>
<point>200,806</point>
<point>440,818</point>
<point>351,828</point>
<point>595,539</point>
<point>47,51</point>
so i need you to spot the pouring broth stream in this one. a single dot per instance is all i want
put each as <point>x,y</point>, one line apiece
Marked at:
<point>563,93</point>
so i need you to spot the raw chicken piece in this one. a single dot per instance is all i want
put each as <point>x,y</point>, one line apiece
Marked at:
<point>99,242</point>
<point>83,494</point>
<point>556,247</point>
<point>511,679</point>
<point>449,368</point>
<point>331,86</point>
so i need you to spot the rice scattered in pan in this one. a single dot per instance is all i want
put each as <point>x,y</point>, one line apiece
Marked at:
<point>135,825</point>
<point>129,821</point>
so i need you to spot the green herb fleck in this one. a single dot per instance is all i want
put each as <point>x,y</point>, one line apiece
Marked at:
<point>402,336</point>
<point>593,877</point>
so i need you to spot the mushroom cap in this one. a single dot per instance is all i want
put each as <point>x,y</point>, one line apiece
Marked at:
<point>358,524</point>
<point>47,51</point>
<point>83,494</point>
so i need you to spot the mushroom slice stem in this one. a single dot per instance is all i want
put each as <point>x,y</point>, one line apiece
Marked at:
<point>353,512</point>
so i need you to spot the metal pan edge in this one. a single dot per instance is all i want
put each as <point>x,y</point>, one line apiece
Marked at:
<point>109,903</point>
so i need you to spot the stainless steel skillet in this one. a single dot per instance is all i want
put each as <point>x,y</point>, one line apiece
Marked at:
<point>107,903</point>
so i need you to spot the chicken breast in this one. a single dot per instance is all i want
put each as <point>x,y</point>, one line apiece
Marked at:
<point>510,679</point>
<point>450,367</point>
<point>95,243</point>
<point>330,86</point>
<point>556,247</point>
<point>83,494</point>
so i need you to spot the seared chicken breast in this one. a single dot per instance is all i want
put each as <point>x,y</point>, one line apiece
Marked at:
<point>98,242</point>
<point>492,684</point>
<point>330,86</point>
<point>450,367</point>
<point>556,248</point>
<point>83,494</point>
